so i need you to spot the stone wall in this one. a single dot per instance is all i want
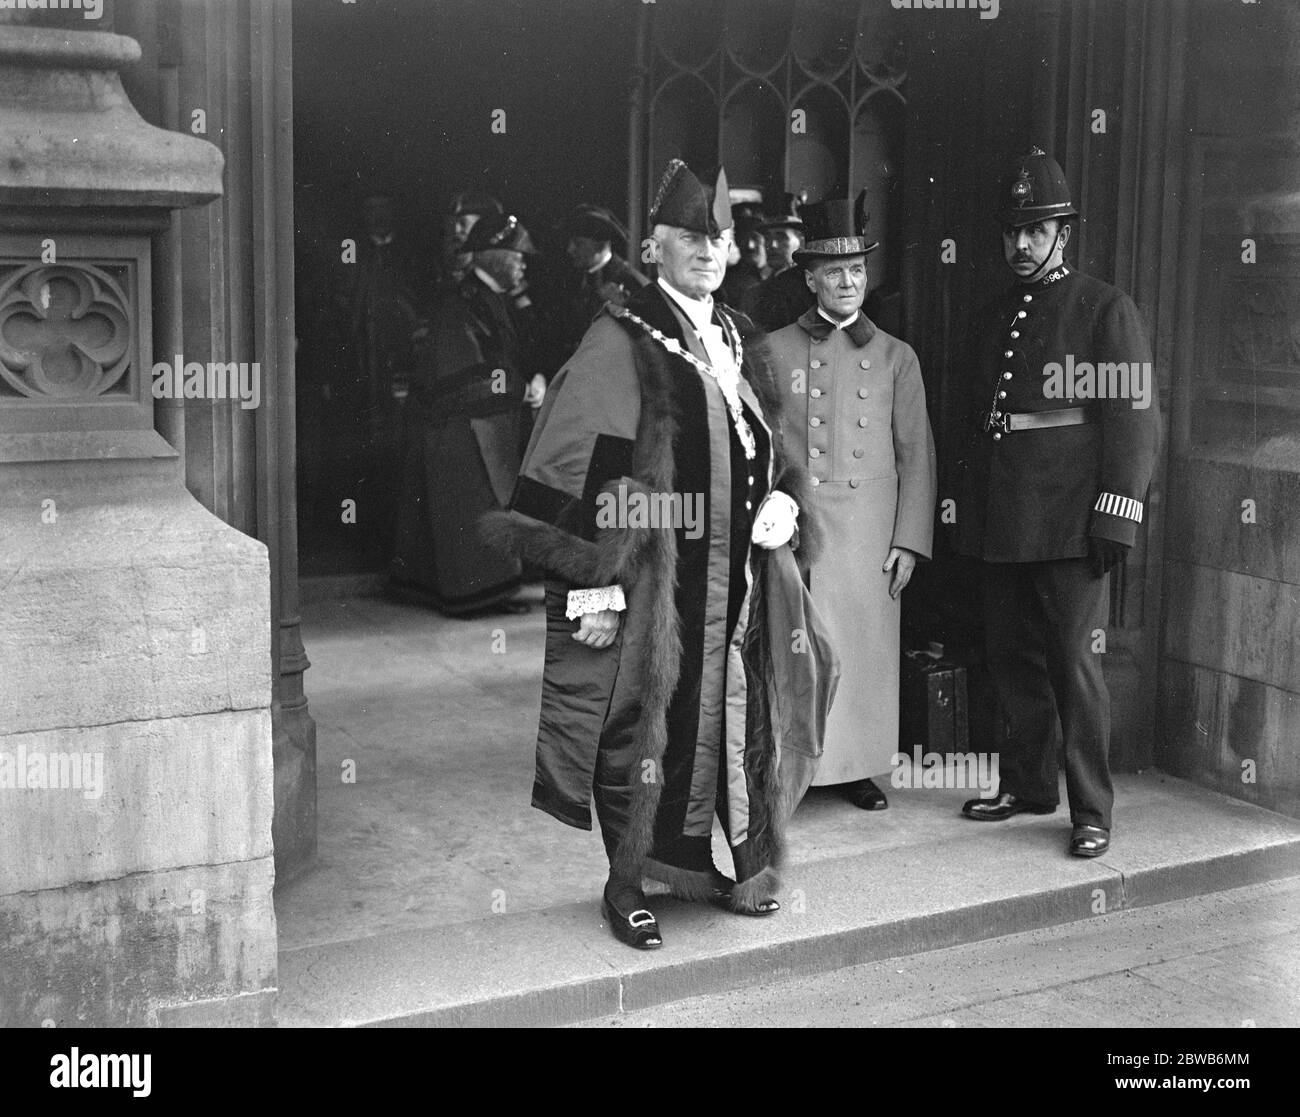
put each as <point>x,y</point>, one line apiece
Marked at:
<point>1231,670</point>
<point>134,630</point>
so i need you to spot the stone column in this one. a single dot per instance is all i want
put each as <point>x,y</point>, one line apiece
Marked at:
<point>135,717</point>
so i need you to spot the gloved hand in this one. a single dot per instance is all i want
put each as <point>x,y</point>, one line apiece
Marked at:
<point>775,522</point>
<point>1105,553</point>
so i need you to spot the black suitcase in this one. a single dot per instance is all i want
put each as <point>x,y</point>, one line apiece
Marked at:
<point>934,708</point>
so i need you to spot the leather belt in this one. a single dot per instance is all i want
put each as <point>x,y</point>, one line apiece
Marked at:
<point>1038,420</point>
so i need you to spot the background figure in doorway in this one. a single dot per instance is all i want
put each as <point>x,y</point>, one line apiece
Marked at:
<point>461,446</point>
<point>596,274</point>
<point>358,345</point>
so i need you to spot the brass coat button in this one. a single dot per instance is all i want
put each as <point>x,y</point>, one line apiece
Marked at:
<point>863,421</point>
<point>863,393</point>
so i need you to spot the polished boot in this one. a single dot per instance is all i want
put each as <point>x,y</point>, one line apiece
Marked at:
<point>1002,807</point>
<point>624,906</point>
<point>865,795</point>
<point>1089,841</point>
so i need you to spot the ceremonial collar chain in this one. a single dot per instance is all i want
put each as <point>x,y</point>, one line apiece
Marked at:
<point>727,379</point>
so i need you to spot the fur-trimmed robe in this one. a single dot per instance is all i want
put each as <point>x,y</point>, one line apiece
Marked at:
<point>627,413</point>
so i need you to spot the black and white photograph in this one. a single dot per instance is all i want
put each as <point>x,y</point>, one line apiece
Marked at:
<point>651,514</point>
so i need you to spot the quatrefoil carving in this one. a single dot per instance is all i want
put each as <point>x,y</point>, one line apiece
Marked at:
<point>65,331</point>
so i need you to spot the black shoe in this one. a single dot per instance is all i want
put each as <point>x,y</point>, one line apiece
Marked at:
<point>1003,807</point>
<point>1089,841</point>
<point>721,898</point>
<point>865,795</point>
<point>636,926</point>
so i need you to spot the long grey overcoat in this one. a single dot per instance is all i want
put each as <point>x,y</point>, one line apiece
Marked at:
<point>853,410</point>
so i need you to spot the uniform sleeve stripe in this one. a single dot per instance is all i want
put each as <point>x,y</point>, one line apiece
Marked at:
<point>1112,504</point>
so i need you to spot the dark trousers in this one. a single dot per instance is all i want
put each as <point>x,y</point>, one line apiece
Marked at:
<point>1040,622</point>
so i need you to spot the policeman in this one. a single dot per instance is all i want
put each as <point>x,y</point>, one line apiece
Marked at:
<point>1063,440</point>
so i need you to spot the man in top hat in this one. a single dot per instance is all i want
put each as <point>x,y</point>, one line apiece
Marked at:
<point>597,275</point>
<point>1053,486</point>
<point>853,407</point>
<point>657,498</point>
<point>462,446</point>
<point>784,295</point>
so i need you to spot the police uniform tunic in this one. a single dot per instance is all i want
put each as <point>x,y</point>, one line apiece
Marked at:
<point>1047,465</point>
<point>857,417</point>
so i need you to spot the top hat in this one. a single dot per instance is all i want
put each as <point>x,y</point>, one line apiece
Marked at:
<point>789,217</point>
<point>833,229</point>
<point>498,230</point>
<point>1034,190</point>
<point>595,222</point>
<point>684,202</point>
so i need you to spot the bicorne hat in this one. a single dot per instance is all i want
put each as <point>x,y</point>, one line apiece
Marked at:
<point>1034,190</point>
<point>595,222</point>
<point>835,228</point>
<point>684,202</point>
<point>498,230</point>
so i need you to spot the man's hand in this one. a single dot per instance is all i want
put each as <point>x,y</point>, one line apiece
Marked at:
<point>1104,554</point>
<point>902,562</point>
<point>775,522</point>
<point>597,630</point>
<point>535,392</point>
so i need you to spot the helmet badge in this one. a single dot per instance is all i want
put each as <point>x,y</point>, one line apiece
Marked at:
<point>1022,190</point>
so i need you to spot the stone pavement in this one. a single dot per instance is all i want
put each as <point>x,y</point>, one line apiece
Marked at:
<point>441,897</point>
<point>1224,960</point>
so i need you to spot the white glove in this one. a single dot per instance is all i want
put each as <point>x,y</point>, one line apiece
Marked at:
<point>776,520</point>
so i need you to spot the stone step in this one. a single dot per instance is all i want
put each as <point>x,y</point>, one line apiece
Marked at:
<point>560,965</point>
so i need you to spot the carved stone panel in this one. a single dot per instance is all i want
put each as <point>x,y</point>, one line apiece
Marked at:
<point>75,330</point>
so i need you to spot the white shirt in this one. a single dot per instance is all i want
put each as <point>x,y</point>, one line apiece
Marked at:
<point>699,312</point>
<point>839,325</point>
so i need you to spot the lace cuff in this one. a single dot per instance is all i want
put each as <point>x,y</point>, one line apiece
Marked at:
<point>582,602</point>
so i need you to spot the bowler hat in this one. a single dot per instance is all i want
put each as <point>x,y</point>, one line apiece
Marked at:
<point>833,229</point>
<point>789,218</point>
<point>1034,190</point>
<point>684,202</point>
<point>469,202</point>
<point>595,222</point>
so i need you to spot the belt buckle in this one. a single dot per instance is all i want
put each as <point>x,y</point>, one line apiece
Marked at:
<point>997,421</point>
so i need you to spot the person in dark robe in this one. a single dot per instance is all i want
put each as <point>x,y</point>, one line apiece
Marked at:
<point>461,449</point>
<point>597,274</point>
<point>783,295</point>
<point>744,277</point>
<point>467,208</point>
<point>656,496</point>
<point>362,341</point>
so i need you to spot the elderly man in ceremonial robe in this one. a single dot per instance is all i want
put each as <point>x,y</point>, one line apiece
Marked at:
<point>686,674</point>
